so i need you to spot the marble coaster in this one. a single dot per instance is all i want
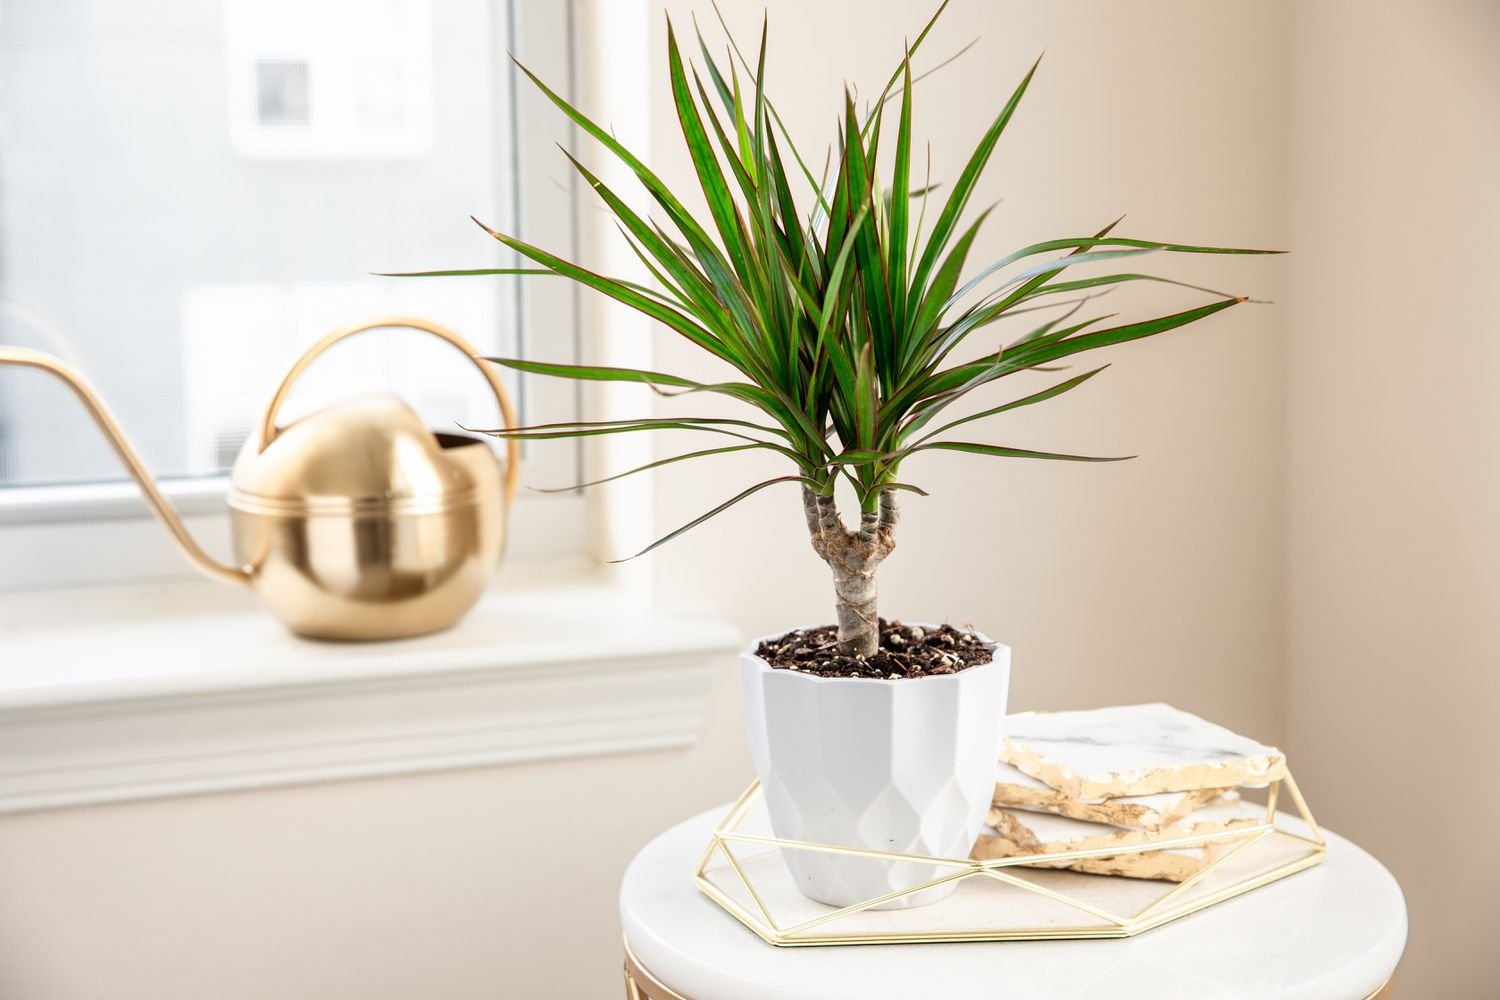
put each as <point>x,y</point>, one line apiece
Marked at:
<point>1132,750</point>
<point>1018,790</point>
<point>1017,833</point>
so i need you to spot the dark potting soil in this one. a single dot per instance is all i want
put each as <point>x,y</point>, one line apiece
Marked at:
<point>905,651</point>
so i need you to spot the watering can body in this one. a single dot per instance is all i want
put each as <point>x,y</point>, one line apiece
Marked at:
<point>359,523</point>
<point>354,522</point>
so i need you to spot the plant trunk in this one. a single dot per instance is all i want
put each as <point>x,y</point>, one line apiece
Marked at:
<point>854,557</point>
<point>859,620</point>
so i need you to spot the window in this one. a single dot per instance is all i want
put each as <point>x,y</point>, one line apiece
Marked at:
<point>192,192</point>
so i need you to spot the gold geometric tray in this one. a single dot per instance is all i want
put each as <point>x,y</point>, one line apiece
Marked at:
<point>997,900</point>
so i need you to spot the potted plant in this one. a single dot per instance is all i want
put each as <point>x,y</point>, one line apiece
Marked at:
<point>836,302</point>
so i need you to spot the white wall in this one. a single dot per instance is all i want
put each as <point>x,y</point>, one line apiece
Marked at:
<point>1393,542</point>
<point>1159,578</point>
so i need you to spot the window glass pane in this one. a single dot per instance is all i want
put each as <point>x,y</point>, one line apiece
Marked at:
<point>192,191</point>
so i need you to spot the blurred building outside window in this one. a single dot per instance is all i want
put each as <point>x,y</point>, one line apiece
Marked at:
<point>193,192</point>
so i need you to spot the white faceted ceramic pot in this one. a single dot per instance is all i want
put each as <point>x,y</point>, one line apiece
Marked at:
<point>903,766</point>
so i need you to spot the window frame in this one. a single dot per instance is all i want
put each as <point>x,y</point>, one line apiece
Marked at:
<point>186,687</point>
<point>102,533</point>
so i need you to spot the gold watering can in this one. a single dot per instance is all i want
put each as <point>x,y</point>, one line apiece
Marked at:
<point>354,522</point>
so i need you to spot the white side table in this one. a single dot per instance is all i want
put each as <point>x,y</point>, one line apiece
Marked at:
<point>1335,932</point>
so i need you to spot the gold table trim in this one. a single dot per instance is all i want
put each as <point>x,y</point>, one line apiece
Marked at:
<point>641,984</point>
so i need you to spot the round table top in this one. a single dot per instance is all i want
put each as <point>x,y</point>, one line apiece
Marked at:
<point>1334,932</point>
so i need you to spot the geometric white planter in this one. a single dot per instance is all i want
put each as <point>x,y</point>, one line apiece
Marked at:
<point>905,766</point>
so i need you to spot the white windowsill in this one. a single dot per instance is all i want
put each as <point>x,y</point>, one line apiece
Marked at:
<point>147,691</point>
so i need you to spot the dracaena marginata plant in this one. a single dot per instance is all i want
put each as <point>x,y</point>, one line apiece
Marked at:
<point>838,311</point>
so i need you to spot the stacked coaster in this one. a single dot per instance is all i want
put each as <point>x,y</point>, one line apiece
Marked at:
<point>1124,776</point>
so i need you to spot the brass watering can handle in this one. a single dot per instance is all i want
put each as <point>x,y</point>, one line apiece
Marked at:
<point>20,357</point>
<point>268,429</point>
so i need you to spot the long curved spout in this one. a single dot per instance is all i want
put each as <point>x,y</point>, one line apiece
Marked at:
<point>160,506</point>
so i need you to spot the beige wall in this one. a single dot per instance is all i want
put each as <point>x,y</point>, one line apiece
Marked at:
<point>1162,578</point>
<point>1393,541</point>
